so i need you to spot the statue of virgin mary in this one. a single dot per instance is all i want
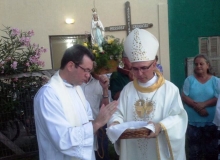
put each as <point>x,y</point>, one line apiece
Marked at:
<point>97,29</point>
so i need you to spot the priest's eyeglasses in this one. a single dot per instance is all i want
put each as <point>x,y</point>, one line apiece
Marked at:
<point>142,69</point>
<point>84,69</point>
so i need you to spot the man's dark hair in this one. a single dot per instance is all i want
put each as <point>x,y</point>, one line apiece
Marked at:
<point>75,54</point>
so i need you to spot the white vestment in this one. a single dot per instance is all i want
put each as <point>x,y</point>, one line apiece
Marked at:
<point>165,108</point>
<point>62,118</point>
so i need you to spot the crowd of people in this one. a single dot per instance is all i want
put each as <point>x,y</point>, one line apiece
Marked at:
<point>74,109</point>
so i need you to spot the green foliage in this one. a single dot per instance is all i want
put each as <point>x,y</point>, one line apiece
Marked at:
<point>16,94</point>
<point>18,59</point>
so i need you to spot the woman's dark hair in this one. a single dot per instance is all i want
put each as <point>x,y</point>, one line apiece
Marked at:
<point>209,70</point>
<point>75,54</point>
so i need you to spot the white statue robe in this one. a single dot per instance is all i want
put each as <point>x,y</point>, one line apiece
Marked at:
<point>97,32</point>
<point>167,110</point>
<point>62,122</point>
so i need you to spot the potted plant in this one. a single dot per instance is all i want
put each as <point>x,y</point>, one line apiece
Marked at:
<point>108,55</point>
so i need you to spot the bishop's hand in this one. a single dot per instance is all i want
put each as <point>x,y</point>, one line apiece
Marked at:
<point>158,129</point>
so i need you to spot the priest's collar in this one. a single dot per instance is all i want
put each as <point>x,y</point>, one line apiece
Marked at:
<point>156,82</point>
<point>67,84</point>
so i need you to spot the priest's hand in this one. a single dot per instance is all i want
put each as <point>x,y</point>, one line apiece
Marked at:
<point>104,115</point>
<point>157,130</point>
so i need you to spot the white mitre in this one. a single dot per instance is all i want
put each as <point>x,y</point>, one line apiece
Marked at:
<point>141,45</point>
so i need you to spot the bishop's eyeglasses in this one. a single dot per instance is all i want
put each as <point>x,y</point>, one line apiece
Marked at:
<point>142,69</point>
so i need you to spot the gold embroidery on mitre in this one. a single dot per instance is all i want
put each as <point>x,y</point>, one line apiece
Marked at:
<point>143,108</point>
<point>138,52</point>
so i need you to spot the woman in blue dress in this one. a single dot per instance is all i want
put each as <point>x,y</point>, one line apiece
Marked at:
<point>200,93</point>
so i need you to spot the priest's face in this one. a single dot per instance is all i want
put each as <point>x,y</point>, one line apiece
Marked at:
<point>81,72</point>
<point>144,71</point>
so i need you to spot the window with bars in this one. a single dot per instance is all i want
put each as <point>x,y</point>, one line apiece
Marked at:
<point>211,47</point>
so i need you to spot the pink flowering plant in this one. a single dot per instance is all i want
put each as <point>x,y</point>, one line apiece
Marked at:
<point>17,54</point>
<point>19,79</point>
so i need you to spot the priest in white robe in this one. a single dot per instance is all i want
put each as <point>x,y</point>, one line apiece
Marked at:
<point>63,117</point>
<point>153,99</point>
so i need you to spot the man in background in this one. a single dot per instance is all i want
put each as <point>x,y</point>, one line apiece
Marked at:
<point>96,93</point>
<point>121,77</point>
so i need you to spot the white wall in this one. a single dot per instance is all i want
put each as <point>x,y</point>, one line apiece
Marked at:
<point>47,17</point>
